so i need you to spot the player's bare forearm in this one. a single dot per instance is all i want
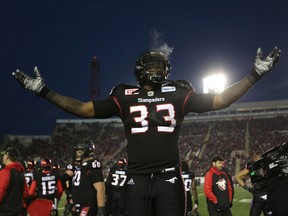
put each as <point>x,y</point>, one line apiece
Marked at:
<point>100,188</point>
<point>233,93</point>
<point>70,105</point>
<point>240,176</point>
<point>194,189</point>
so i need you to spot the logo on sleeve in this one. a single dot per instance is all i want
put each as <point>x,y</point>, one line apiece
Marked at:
<point>168,88</point>
<point>133,91</point>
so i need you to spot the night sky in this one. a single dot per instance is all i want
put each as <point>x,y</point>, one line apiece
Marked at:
<point>61,37</point>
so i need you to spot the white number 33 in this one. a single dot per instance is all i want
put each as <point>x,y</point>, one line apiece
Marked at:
<point>144,113</point>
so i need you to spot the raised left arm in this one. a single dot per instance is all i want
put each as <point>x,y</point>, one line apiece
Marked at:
<point>238,89</point>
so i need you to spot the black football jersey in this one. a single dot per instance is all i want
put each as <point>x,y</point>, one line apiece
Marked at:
<point>152,121</point>
<point>187,178</point>
<point>116,179</point>
<point>46,185</point>
<point>29,177</point>
<point>85,175</point>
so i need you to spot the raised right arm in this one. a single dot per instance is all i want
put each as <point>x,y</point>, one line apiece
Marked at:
<point>71,105</point>
<point>68,104</point>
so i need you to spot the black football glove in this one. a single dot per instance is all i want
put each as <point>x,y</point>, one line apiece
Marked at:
<point>263,66</point>
<point>101,211</point>
<point>67,209</point>
<point>32,84</point>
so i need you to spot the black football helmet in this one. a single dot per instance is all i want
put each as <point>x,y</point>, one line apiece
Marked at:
<point>45,164</point>
<point>88,151</point>
<point>152,67</point>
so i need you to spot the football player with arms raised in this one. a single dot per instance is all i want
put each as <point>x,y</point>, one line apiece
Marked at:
<point>152,113</point>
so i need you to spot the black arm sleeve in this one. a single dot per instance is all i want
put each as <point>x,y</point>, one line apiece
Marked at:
<point>105,108</point>
<point>64,178</point>
<point>199,103</point>
<point>96,175</point>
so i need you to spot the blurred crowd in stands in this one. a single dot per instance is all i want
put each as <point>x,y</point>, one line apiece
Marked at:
<point>235,139</point>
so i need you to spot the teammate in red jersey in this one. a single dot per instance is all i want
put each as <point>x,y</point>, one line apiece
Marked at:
<point>152,113</point>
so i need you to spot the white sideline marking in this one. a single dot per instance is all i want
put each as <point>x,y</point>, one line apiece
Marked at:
<point>245,200</point>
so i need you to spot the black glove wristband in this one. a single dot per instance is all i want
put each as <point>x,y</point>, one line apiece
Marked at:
<point>255,75</point>
<point>101,211</point>
<point>44,91</point>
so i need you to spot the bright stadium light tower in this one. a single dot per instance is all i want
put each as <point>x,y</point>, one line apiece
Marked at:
<point>214,83</point>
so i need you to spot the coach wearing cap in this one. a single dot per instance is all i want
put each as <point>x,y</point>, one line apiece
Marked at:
<point>13,187</point>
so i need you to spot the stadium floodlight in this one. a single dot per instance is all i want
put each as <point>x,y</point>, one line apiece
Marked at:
<point>214,83</point>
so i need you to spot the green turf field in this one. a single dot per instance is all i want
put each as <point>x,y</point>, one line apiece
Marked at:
<point>240,207</point>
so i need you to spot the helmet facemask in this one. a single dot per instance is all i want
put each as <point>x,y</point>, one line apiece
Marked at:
<point>83,151</point>
<point>152,68</point>
<point>79,155</point>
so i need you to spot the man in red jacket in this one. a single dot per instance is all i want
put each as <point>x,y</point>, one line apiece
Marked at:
<point>218,189</point>
<point>13,187</point>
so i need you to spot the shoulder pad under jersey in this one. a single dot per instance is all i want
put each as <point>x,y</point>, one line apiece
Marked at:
<point>124,89</point>
<point>184,84</point>
<point>70,167</point>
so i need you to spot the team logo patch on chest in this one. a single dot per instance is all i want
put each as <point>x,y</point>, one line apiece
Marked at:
<point>150,93</point>
<point>168,88</point>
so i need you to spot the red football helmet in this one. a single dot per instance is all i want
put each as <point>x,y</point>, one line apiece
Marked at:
<point>121,162</point>
<point>30,165</point>
<point>45,164</point>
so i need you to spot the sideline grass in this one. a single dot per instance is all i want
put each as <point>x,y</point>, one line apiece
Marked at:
<point>241,202</point>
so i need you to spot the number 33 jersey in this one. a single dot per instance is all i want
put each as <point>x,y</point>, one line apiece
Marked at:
<point>152,121</point>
